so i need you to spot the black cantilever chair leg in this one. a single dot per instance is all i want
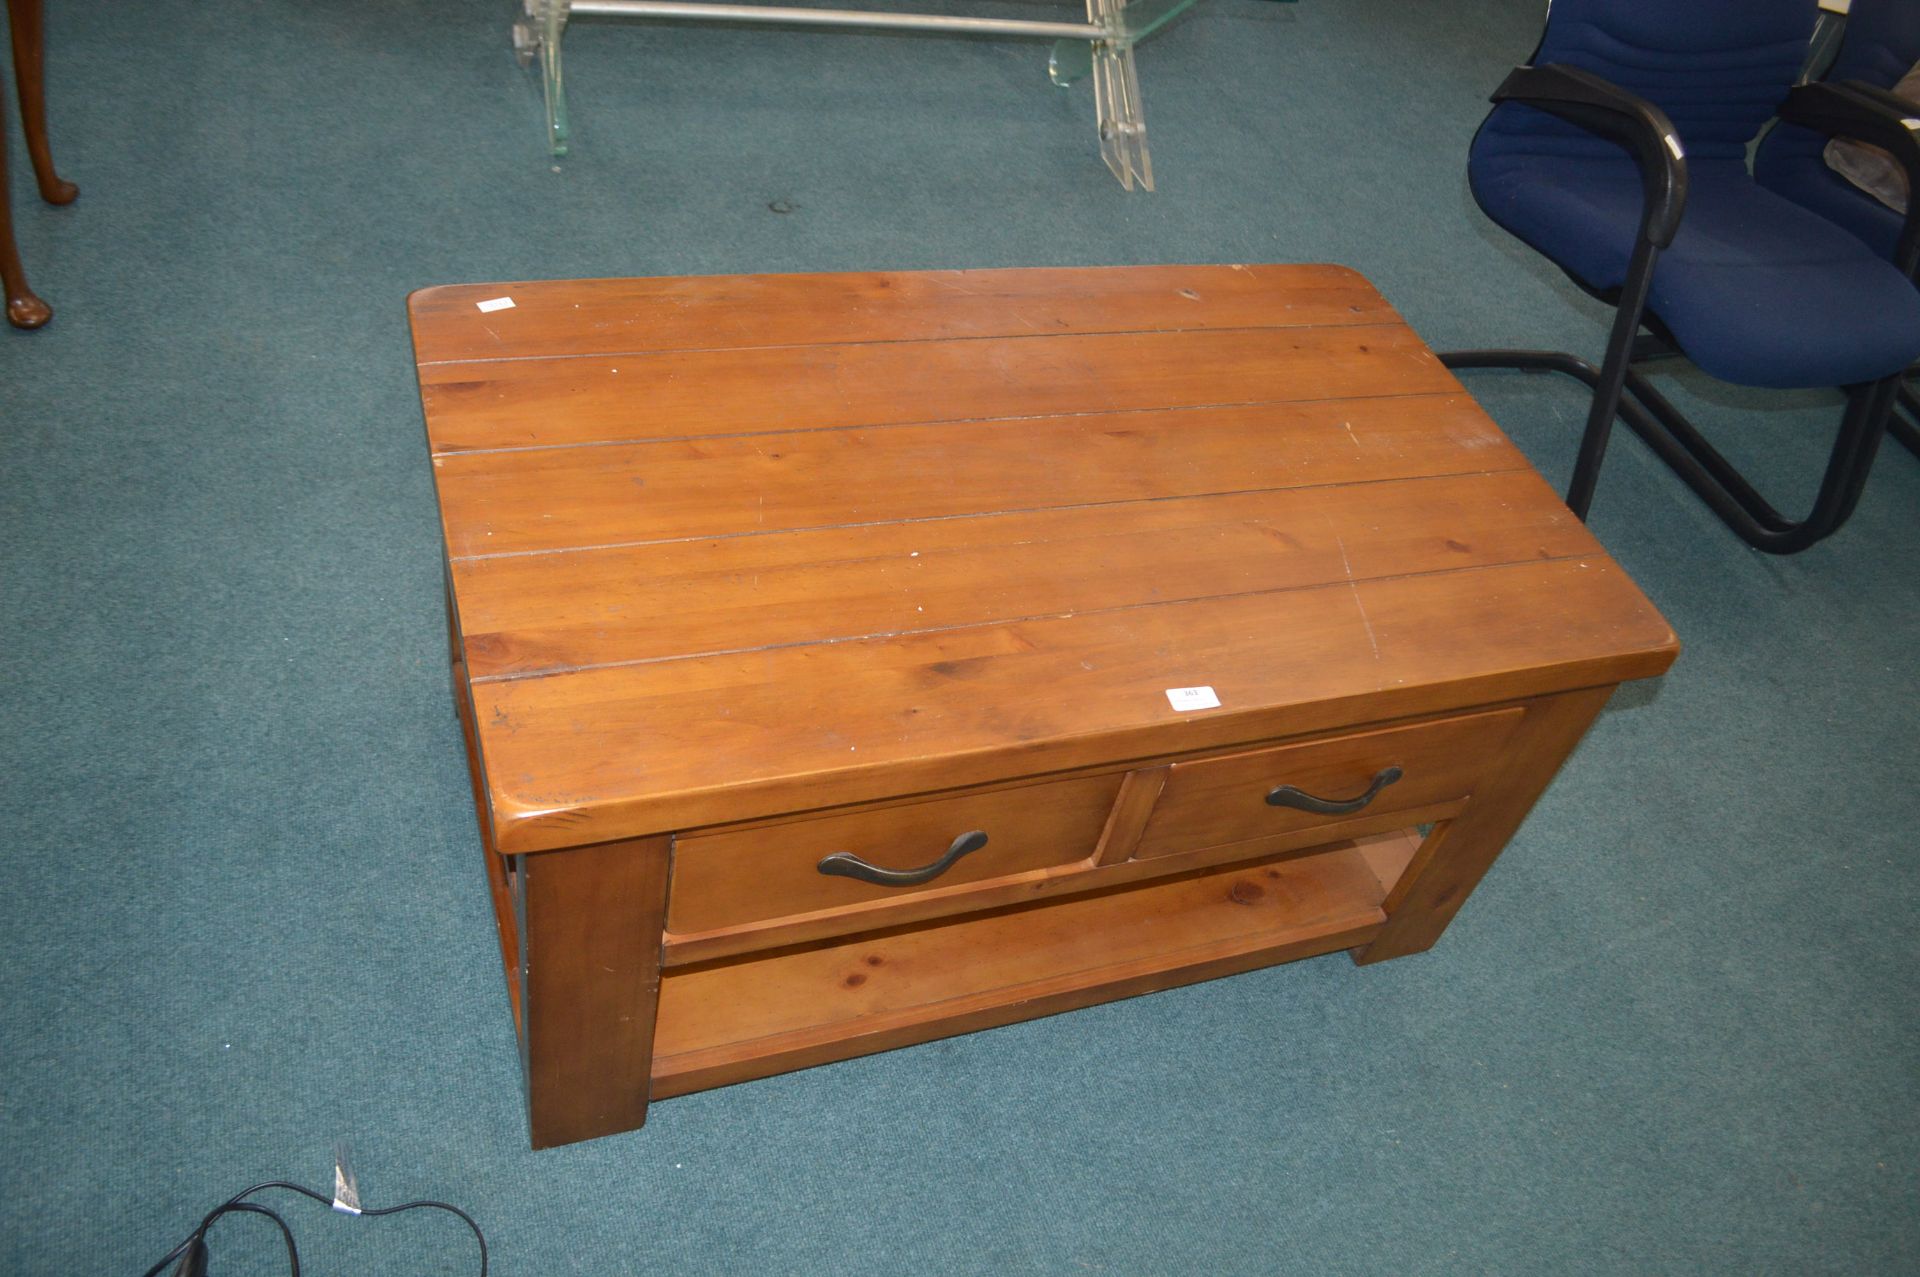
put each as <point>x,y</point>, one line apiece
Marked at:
<point>1901,425</point>
<point>1620,392</point>
<point>1698,463</point>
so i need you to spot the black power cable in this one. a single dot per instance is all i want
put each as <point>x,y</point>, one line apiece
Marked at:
<point>194,1248</point>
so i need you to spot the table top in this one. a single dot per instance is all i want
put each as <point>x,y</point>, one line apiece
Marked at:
<point>729,547</point>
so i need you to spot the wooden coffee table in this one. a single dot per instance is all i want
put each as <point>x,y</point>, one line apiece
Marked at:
<point>853,660</point>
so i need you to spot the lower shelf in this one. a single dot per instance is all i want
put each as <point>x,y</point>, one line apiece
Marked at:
<point>753,1017</point>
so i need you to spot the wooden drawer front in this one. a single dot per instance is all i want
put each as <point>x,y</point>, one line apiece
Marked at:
<point>744,876</point>
<point>1212,801</point>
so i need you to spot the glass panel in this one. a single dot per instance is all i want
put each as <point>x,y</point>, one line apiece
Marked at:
<point>1071,60</point>
<point>553,21</point>
<point>1142,18</point>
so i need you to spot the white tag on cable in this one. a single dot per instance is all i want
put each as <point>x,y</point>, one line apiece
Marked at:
<point>1186,698</point>
<point>346,1191</point>
<point>492,304</point>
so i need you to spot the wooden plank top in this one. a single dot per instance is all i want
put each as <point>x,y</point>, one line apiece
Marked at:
<point>727,547</point>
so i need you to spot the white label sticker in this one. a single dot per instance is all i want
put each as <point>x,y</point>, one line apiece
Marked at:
<point>1673,144</point>
<point>1185,698</point>
<point>493,304</point>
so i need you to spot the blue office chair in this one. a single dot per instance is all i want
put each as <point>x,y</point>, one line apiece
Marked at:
<point>1620,154</point>
<point>1881,43</point>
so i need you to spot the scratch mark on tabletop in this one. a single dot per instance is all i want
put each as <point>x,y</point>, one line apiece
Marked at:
<point>1354,586</point>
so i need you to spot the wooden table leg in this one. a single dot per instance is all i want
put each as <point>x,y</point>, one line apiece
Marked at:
<point>1449,865</point>
<point>24,309</point>
<point>591,919</point>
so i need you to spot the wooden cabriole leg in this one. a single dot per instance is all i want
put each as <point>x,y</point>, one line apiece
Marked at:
<point>24,309</point>
<point>1451,863</point>
<point>29,71</point>
<point>590,926</point>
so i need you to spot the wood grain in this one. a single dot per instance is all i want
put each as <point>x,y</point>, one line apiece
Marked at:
<point>1033,887</point>
<point>1451,863</point>
<point>746,1019</point>
<point>729,877</point>
<point>610,316</point>
<point>500,888</point>
<point>561,499</point>
<point>546,614</point>
<point>591,976</point>
<point>578,757</point>
<point>1389,857</point>
<point>1131,810</point>
<point>552,403</point>
<point>745,570</point>
<point>1223,799</point>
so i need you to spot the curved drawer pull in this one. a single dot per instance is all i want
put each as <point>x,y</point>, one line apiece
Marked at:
<point>845,864</point>
<point>1301,800</point>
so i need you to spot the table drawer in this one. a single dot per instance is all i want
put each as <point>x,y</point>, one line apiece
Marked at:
<point>730,878</point>
<point>1267,792</point>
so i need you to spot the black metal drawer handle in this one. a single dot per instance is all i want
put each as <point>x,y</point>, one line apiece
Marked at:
<point>1301,800</point>
<point>844,864</point>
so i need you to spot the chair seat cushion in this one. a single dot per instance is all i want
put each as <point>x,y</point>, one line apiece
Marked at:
<point>1756,290</point>
<point>1805,178</point>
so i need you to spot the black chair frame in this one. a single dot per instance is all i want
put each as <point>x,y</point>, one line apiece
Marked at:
<point>1593,103</point>
<point>1907,257</point>
<point>1904,428</point>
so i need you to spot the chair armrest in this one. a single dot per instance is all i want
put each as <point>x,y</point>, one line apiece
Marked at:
<point>1904,106</point>
<point>1862,112</point>
<point>1600,106</point>
<point>1866,113</point>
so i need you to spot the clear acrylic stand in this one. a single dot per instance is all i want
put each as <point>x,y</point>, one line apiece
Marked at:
<point>1100,48</point>
<point>537,35</point>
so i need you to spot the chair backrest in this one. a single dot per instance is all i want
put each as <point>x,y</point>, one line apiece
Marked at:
<point>1881,42</point>
<point>1718,68</point>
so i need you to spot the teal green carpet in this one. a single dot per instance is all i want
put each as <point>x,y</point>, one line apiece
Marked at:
<point>242,906</point>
